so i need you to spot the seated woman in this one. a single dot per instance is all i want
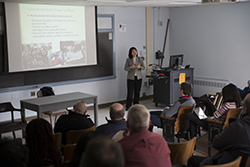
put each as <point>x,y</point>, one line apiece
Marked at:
<point>41,144</point>
<point>231,98</point>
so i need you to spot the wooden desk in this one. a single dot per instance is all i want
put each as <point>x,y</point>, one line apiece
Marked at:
<point>61,101</point>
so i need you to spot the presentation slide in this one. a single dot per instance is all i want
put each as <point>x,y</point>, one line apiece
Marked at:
<point>50,36</point>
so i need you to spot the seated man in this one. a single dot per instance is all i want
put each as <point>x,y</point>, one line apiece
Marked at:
<point>75,120</point>
<point>117,122</point>
<point>142,147</point>
<point>230,143</point>
<point>184,100</point>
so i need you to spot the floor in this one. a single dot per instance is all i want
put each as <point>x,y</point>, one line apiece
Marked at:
<point>201,144</point>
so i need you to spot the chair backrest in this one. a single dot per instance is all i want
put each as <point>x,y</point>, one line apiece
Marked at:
<point>232,113</point>
<point>68,152</point>
<point>58,137</point>
<point>181,117</point>
<point>181,152</point>
<point>247,163</point>
<point>72,136</point>
<point>213,98</point>
<point>19,140</point>
<point>235,163</point>
<point>7,107</point>
<point>218,102</point>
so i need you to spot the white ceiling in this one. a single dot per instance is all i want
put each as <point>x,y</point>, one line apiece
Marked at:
<point>136,3</point>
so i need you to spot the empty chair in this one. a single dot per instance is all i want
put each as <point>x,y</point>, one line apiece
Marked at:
<point>72,136</point>
<point>235,163</point>
<point>181,152</point>
<point>58,137</point>
<point>12,125</point>
<point>68,152</point>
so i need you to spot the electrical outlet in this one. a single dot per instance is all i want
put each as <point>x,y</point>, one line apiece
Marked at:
<point>159,23</point>
<point>33,93</point>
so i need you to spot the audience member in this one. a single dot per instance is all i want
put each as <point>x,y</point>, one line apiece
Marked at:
<point>41,144</point>
<point>75,120</point>
<point>117,122</point>
<point>245,91</point>
<point>45,91</point>
<point>13,153</point>
<point>142,147</point>
<point>81,147</point>
<point>231,143</point>
<point>102,152</point>
<point>184,100</point>
<point>231,98</point>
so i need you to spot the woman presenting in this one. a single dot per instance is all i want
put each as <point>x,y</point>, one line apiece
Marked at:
<point>134,65</point>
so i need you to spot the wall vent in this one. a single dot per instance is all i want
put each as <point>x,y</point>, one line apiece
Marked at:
<point>218,1</point>
<point>211,82</point>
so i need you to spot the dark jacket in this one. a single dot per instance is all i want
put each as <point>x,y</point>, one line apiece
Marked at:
<point>112,127</point>
<point>72,121</point>
<point>234,141</point>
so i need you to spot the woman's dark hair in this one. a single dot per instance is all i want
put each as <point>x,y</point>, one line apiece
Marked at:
<point>81,146</point>
<point>230,93</point>
<point>130,52</point>
<point>41,144</point>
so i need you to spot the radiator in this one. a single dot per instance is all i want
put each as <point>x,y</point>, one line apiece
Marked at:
<point>204,85</point>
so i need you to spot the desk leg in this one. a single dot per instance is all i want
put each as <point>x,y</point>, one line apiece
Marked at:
<point>22,107</point>
<point>39,113</point>
<point>96,112</point>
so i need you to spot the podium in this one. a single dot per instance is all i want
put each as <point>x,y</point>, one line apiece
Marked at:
<point>166,88</point>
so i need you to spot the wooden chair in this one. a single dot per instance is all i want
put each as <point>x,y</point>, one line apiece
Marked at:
<point>73,135</point>
<point>213,98</point>
<point>68,152</point>
<point>215,127</point>
<point>12,125</point>
<point>216,99</point>
<point>235,163</point>
<point>218,102</point>
<point>171,125</point>
<point>181,152</point>
<point>247,163</point>
<point>19,140</point>
<point>58,137</point>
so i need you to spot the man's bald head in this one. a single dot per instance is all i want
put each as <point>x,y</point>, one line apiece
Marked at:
<point>246,103</point>
<point>80,107</point>
<point>116,111</point>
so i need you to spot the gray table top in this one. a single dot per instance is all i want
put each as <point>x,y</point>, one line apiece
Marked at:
<point>59,98</point>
